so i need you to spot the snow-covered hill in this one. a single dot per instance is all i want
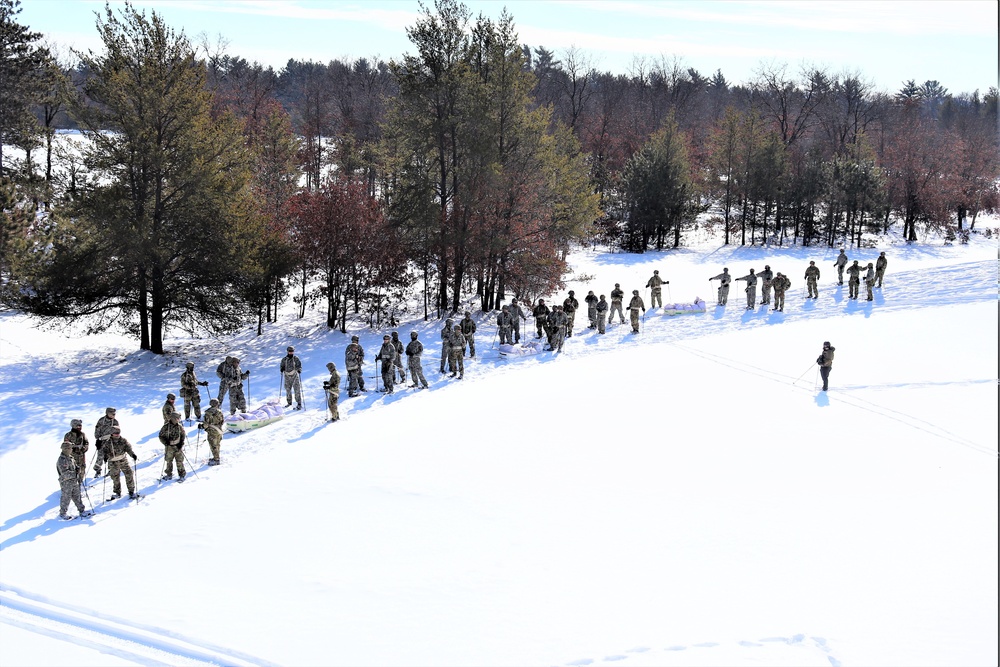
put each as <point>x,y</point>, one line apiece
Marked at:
<point>684,496</point>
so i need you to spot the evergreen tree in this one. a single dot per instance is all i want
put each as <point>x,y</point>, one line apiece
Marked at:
<point>21,82</point>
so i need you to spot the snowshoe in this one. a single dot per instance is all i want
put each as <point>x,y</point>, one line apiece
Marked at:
<point>115,496</point>
<point>65,517</point>
<point>166,478</point>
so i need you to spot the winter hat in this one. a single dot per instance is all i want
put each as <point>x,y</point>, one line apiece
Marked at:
<point>76,422</point>
<point>354,339</point>
<point>331,366</point>
<point>174,416</point>
<point>116,431</point>
<point>214,402</point>
<point>109,411</point>
<point>413,335</point>
<point>289,349</point>
<point>189,364</point>
<point>171,397</point>
<point>66,446</point>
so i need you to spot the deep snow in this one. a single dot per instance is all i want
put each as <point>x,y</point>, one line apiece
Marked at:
<point>673,498</point>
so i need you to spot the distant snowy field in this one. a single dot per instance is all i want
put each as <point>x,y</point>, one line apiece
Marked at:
<point>681,497</point>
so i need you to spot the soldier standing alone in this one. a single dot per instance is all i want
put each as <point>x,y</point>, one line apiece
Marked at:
<point>291,373</point>
<point>825,361</point>
<point>190,393</point>
<point>840,264</point>
<point>880,265</point>
<point>213,423</point>
<point>812,278</point>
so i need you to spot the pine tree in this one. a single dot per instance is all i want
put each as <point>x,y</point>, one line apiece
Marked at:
<point>21,83</point>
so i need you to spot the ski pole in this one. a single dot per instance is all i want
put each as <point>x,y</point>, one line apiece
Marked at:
<point>135,478</point>
<point>104,486</point>
<point>494,337</point>
<point>302,393</point>
<point>87,493</point>
<point>280,379</point>
<point>184,454</point>
<point>803,374</point>
<point>197,444</point>
<point>249,400</point>
<point>669,293</point>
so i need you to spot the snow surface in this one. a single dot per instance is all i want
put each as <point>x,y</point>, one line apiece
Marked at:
<point>684,496</point>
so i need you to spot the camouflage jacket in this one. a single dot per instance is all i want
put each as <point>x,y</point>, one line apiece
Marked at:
<point>398,344</point>
<point>602,306</point>
<point>189,384</point>
<point>853,271</point>
<point>103,430</point>
<point>290,364</point>
<point>655,283</point>
<point>457,339</point>
<point>781,283</point>
<point>213,418</point>
<point>232,376</point>
<point>636,303</point>
<point>79,440</point>
<point>333,384</point>
<point>220,370</point>
<point>516,312</point>
<point>468,326</point>
<point>354,357</point>
<point>387,353</point>
<point>617,295</point>
<point>172,434</point>
<point>750,278</point>
<point>505,320</point>
<point>558,319</point>
<point>570,305</point>
<point>591,302</point>
<point>414,349</point>
<point>66,467</point>
<point>841,260</point>
<point>812,272</point>
<point>541,312</point>
<point>881,262</point>
<point>870,275</point>
<point>767,275</point>
<point>115,449</point>
<point>167,410</point>
<point>724,277</point>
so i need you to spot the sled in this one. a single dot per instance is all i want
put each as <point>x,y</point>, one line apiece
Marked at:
<point>521,350</point>
<point>699,306</point>
<point>268,413</point>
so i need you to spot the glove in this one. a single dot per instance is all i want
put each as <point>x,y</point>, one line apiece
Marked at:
<point>134,457</point>
<point>667,282</point>
<point>203,384</point>
<point>248,373</point>
<point>201,426</point>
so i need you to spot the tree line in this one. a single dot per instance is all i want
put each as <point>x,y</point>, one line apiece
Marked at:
<point>211,189</point>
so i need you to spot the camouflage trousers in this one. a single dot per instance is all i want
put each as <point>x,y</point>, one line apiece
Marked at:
<point>388,374</point>
<point>751,297</point>
<point>237,401</point>
<point>540,326</point>
<point>656,297</point>
<point>600,321</point>
<point>70,491</point>
<point>470,340</point>
<point>417,371</point>
<point>399,368</point>
<point>634,317</point>
<point>121,466</point>
<point>616,306</point>
<point>505,336</point>
<point>811,287</point>
<point>517,330</point>
<point>779,300</point>
<point>172,454</point>
<point>557,339</point>
<point>869,284</point>
<point>571,318</point>
<point>852,288</point>
<point>879,274</point>
<point>223,389</point>
<point>355,381</point>
<point>192,401</point>
<point>723,295</point>
<point>80,457</point>
<point>331,403</point>
<point>824,372</point>
<point>592,316</point>
<point>214,436</point>
<point>840,275</point>
<point>765,292</point>
<point>293,383</point>
<point>445,354</point>
<point>456,362</point>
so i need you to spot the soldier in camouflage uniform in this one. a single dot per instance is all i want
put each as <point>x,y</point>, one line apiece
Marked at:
<point>541,315</point>
<point>387,355</point>
<point>456,358</point>
<point>634,306</point>
<point>504,326</point>
<point>724,279</point>
<point>469,331</point>
<point>414,349</point>
<point>78,440</point>
<point>781,283</point>
<point>446,343</point>
<point>559,322</point>
<point>114,452</point>
<point>569,308</point>
<point>880,265</point>
<point>398,344</point>
<point>812,278</point>
<point>190,393</point>
<point>69,482</point>
<point>172,436</point>
<point>332,389</point>
<point>655,285</point>
<point>870,281</point>
<point>602,314</point>
<point>220,371</point>
<point>237,401</point>
<point>213,424</point>
<point>767,278</point>
<point>102,433</point>
<point>751,289</point>
<point>591,301</point>
<point>617,296</point>
<point>517,315</point>
<point>840,264</point>
<point>854,281</point>
<point>168,407</point>
<point>354,360</point>
<point>291,372</point>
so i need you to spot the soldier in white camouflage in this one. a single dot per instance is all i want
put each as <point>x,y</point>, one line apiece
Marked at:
<point>354,360</point>
<point>102,433</point>
<point>541,315</point>
<point>469,331</point>
<point>172,436</point>
<point>766,278</point>
<point>456,359</point>
<point>398,344</point>
<point>168,407</point>
<point>517,314</point>
<point>387,355</point>
<point>602,314</point>
<point>190,394</point>
<point>291,373</point>
<point>69,482</point>
<point>634,306</point>
<point>446,342</point>
<point>724,279</point>
<point>505,323</point>
<point>414,349</point>
<point>854,281</point>
<point>114,452</point>
<point>213,424</point>
<point>617,296</point>
<point>76,437</point>
<point>235,377</point>
<point>751,289</point>
<point>781,283</point>
<point>332,389</point>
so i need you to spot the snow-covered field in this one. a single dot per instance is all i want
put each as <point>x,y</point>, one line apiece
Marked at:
<point>681,497</point>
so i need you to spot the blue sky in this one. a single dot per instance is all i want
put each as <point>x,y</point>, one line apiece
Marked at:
<point>888,42</point>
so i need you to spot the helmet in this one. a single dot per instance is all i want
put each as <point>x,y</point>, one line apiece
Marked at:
<point>656,271</point>
<point>725,269</point>
<point>413,335</point>
<point>115,430</point>
<point>175,416</point>
<point>76,423</point>
<point>354,339</point>
<point>882,253</point>
<point>870,265</point>
<point>449,321</point>
<point>617,284</point>
<point>812,263</point>
<point>290,348</point>
<point>395,335</point>
<point>236,361</point>
<point>66,446</point>
<point>826,343</point>
<point>541,301</point>
<point>571,292</point>
<point>385,337</point>
<point>751,270</point>
<point>767,266</point>
<point>635,291</point>
<point>214,402</point>
<point>171,397</point>
<point>468,314</point>
<point>331,366</point>
<point>109,411</point>
<point>189,364</point>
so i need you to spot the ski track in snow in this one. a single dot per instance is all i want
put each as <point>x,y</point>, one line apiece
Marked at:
<point>142,644</point>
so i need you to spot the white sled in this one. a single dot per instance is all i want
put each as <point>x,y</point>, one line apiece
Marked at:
<point>521,350</point>
<point>266,414</point>
<point>695,308</point>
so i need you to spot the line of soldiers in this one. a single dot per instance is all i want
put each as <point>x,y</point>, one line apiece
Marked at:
<point>780,283</point>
